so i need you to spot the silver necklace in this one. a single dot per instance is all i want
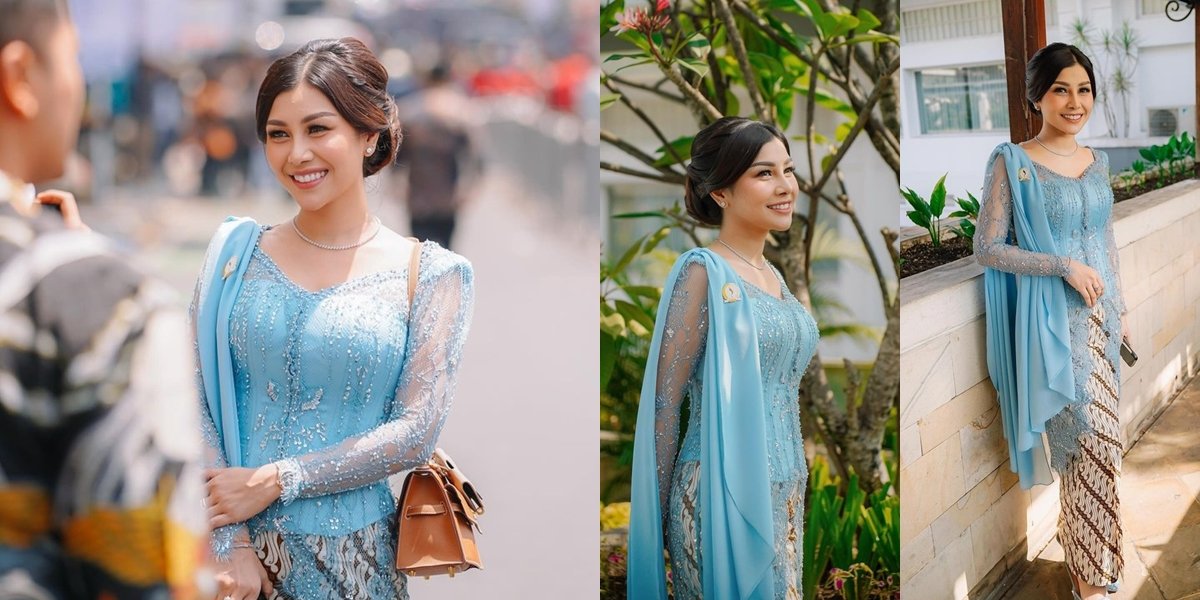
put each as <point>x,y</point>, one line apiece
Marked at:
<point>739,255</point>
<point>378,226</point>
<point>1067,155</point>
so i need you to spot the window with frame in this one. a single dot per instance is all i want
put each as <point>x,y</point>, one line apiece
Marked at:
<point>958,99</point>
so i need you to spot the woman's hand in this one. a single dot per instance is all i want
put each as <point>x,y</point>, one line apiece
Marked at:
<point>236,494</point>
<point>1085,280</point>
<point>65,201</point>
<point>243,578</point>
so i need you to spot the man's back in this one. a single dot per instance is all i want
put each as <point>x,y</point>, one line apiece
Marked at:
<point>99,442</point>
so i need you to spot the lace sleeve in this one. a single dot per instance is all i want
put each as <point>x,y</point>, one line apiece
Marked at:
<point>992,240</point>
<point>681,350</point>
<point>439,320</point>
<point>214,451</point>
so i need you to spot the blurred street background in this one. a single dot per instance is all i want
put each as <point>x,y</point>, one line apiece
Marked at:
<point>168,150</point>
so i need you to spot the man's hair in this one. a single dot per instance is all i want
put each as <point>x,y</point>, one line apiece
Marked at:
<point>29,21</point>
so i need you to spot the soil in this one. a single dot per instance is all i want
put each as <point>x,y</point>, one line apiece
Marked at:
<point>923,256</point>
<point>1149,186</point>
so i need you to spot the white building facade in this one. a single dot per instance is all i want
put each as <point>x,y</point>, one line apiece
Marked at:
<point>954,102</point>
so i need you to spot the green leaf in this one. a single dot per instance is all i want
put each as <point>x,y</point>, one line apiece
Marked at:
<point>634,64</point>
<point>873,38</point>
<point>866,21</point>
<point>937,198</point>
<point>641,215</point>
<point>919,218</point>
<point>609,352</point>
<point>694,65</point>
<point>607,100</point>
<point>625,55</point>
<point>682,147</point>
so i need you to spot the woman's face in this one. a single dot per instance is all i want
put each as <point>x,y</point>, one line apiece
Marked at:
<point>1067,105</point>
<point>764,197</point>
<point>314,152</point>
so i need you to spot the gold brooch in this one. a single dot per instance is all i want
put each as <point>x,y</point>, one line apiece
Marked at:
<point>229,267</point>
<point>1023,174</point>
<point>730,293</point>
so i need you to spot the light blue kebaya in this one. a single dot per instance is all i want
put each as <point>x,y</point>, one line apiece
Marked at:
<point>733,494</point>
<point>340,387</point>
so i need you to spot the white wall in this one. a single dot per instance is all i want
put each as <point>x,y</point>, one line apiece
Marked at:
<point>1165,78</point>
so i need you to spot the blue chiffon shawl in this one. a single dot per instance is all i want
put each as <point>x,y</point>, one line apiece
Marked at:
<point>737,539</point>
<point>1028,338</point>
<point>220,281</point>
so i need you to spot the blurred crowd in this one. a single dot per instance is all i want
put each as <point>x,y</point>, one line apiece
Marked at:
<point>176,114</point>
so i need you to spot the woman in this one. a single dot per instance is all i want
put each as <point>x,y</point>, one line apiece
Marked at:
<point>1053,348</point>
<point>733,340</point>
<point>320,377</point>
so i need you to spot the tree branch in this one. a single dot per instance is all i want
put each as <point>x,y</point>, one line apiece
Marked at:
<point>634,151</point>
<point>607,166</point>
<point>645,119</point>
<point>743,59</point>
<point>653,89</point>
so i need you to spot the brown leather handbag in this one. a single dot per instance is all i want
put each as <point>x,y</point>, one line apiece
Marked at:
<point>437,520</point>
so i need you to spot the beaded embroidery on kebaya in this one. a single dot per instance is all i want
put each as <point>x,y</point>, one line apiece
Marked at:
<point>787,340</point>
<point>345,387</point>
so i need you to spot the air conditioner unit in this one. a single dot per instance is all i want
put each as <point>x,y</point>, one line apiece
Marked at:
<point>1169,121</point>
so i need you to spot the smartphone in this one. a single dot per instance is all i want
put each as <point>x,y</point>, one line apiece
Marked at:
<point>1127,353</point>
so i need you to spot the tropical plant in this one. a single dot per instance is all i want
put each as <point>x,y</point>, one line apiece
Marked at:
<point>1116,71</point>
<point>968,211</point>
<point>726,57</point>
<point>928,214</point>
<point>844,530</point>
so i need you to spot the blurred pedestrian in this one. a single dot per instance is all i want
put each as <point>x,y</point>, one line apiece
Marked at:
<point>439,155</point>
<point>99,459</point>
<point>325,366</point>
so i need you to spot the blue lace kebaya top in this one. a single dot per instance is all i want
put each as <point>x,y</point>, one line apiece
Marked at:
<point>1079,214</point>
<point>342,387</point>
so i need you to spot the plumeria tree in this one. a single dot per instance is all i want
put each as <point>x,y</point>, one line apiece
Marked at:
<point>765,59</point>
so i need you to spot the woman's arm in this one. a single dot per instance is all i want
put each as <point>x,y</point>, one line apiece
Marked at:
<point>992,246</point>
<point>438,324</point>
<point>680,353</point>
<point>223,538</point>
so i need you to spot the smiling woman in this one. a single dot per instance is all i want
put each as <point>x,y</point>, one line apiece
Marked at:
<point>323,368</point>
<point>1052,350</point>
<point>730,495</point>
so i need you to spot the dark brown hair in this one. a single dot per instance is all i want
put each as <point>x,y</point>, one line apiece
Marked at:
<point>1043,69</point>
<point>29,20</point>
<point>721,152</point>
<point>353,80</point>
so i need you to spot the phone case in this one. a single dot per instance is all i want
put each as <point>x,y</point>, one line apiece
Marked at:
<point>1127,353</point>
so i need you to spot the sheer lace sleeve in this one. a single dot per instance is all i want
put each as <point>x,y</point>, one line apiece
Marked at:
<point>214,451</point>
<point>994,247</point>
<point>438,324</point>
<point>681,350</point>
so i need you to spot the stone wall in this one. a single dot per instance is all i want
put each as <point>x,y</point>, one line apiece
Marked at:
<point>965,520</point>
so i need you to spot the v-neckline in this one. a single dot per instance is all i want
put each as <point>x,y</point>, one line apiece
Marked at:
<point>381,274</point>
<point>778,279</point>
<point>1080,176</point>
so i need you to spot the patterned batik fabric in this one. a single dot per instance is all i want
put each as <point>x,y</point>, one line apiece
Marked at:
<point>1089,524</point>
<point>787,338</point>
<point>341,388</point>
<point>99,452</point>
<point>1085,438</point>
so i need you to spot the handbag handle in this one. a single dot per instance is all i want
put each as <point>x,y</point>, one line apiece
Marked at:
<point>414,271</point>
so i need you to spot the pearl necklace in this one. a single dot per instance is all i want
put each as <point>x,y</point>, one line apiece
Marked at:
<point>1067,155</point>
<point>378,226</point>
<point>739,255</point>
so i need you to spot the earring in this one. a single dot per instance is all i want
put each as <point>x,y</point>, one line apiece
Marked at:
<point>370,150</point>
